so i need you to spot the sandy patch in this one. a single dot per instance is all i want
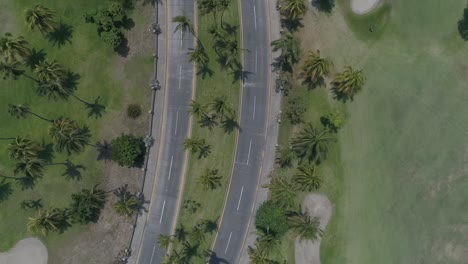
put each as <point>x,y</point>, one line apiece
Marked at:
<point>26,251</point>
<point>364,6</point>
<point>317,205</point>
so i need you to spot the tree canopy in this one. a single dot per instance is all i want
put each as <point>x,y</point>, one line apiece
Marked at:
<point>271,219</point>
<point>128,150</point>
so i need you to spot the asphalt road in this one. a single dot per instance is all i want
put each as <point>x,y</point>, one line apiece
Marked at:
<point>251,144</point>
<point>164,199</point>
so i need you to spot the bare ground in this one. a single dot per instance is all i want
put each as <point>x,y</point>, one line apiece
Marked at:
<point>364,6</point>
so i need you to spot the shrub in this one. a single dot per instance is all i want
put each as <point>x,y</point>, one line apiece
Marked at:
<point>333,120</point>
<point>284,82</point>
<point>271,219</point>
<point>128,150</point>
<point>295,110</point>
<point>463,25</point>
<point>133,111</point>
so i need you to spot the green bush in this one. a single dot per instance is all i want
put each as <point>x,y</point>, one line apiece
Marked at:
<point>334,120</point>
<point>295,110</point>
<point>128,150</point>
<point>271,219</point>
<point>133,111</point>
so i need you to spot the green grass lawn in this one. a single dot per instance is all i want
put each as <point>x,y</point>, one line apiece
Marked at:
<point>95,62</point>
<point>222,144</point>
<point>397,178</point>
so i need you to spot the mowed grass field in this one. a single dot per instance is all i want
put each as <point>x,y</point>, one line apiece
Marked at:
<point>115,80</point>
<point>400,193</point>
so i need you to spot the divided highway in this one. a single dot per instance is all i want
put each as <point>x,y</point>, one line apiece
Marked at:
<point>251,143</point>
<point>170,166</point>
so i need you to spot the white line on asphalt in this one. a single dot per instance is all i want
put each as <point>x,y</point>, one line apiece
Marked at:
<point>176,121</point>
<point>180,76</point>
<point>248,155</point>
<point>162,212</point>
<point>255,18</point>
<point>256,60</point>
<point>152,255</point>
<point>181,37</point>
<point>255,102</point>
<point>240,198</point>
<point>229,241</point>
<point>170,168</point>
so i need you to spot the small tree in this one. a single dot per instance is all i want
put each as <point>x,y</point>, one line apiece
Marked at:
<point>334,120</point>
<point>128,150</point>
<point>271,219</point>
<point>463,25</point>
<point>134,111</point>
<point>295,110</point>
<point>87,204</point>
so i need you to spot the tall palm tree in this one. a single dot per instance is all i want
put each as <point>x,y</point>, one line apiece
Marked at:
<point>349,82</point>
<point>315,67</point>
<point>194,144</point>
<point>32,168</point>
<point>87,204</point>
<point>21,110</point>
<point>68,136</point>
<point>208,7</point>
<point>209,179</point>
<point>46,221</point>
<point>312,144</point>
<point>282,192</point>
<point>197,235</point>
<point>258,256</point>
<point>50,71</point>
<point>268,243</point>
<point>128,204</point>
<point>164,241</point>
<point>305,227</point>
<point>10,69</point>
<point>188,251</point>
<point>285,156</point>
<point>222,6</point>
<point>54,90</point>
<point>180,233</point>
<point>220,105</point>
<point>184,24</point>
<point>40,17</point>
<point>199,56</point>
<point>23,148</point>
<point>307,178</point>
<point>289,47</point>
<point>293,9</point>
<point>197,109</point>
<point>11,48</point>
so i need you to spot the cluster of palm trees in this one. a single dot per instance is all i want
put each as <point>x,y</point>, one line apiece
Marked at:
<point>219,111</point>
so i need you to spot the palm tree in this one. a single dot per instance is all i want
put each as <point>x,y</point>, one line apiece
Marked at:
<point>220,105</point>
<point>222,5</point>
<point>11,48</point>
<point>21,110</point>
<point>194,144</point>
<point>282,192</point>
<point>198,234</point>
<point>188,251</point>
<point>184,24</point>
<point>10,69</point>
<point>293,9</point>
<point>305,227</point>
<point>128,204</point>
<point>258,256</point>
<point>50,71</point>
<point>40,17</point>
<point>285,156</point>
<point>164,241</point>
<point>289,47</point>
<point>349,82</point>
<point>180,234</point>
<point>197,109</point>
<point>199,57</point>
<point>87,204</point>
<point>307,178</point>
<point>208,7</point>
<point>54,90</point>
<point>68,136</point>
<point>209,179</point>
<point>311,143</point>
<point>315,67</point>
<point>23,148</point>
<point>32,168</point>
<point>46,220</point>
<point>268,243</point>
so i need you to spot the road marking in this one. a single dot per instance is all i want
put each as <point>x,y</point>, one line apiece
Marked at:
<point>255,18</point>
<point>255,102</point>
<point>162,212</point>
<point>256,60</point>
<point>180,76</point>
<point>170,168</point>
<point>248,155</point>
<point>240,198</point>
<point>152,255</point>
<point>229,241</point>
<point>176,121</point>
<point>181,37</point>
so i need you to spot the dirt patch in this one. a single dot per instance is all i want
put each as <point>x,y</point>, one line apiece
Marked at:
<point>316,205</point>
<point>26,251</point>
<point>364,6</point>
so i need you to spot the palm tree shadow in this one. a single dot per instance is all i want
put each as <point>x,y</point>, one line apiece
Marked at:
<point>61,35</point>
<point>5,190</point>
<point>230,29</point>
<point>292,24</point>
<point>229,124</point>
<point>35,58</point>
<point>26,183</point>
<point>72,171</point>
<point>341,96</point>
<point>204,71</point>
<point>324,5</point>
<point>240,75</point>
<point>96,109</point>
<point>104,150</point>
<point>208,122</point>
<point>123,49</point>
<point>312,84</point>
<point>204,152</point>
<point>215,260</point>
<point>47,152</point>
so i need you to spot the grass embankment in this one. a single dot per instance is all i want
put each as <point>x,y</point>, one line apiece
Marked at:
<point>221,83</point>
<point>400,191</point>
<point>84,53</point>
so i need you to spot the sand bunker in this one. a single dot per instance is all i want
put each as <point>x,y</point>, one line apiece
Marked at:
<point>317,205</point>
<point>364,6</point>
<point>26,251</point>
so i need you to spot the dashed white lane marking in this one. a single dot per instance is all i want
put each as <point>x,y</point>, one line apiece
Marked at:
<point>255,17</point>
<point>248,155</point>
<point>152,255</point>
<point>229,241</point>
<point>170,168</point>
<point>180,76</point>
<point>255,102</point>
<point>176,122</point>
<point>256,60</point>
<point>162,212</point>
<point>240,198</point>
<point>181,37</point>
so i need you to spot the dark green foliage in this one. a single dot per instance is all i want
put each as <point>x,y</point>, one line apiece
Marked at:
<point>334,120</point>
<point>463,25</point>
<point>128,150</point>
<point>271,219</point>
<point>110,19</point>
<point>324,5</point>
<point>133,111</point>
<point>295,110</point>
<point>87,204</point>
<point>191,206</point>
<point>284,82</point>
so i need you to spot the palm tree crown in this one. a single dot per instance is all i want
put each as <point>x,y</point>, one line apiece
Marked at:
<point>220,105</point>
<point>40,17</point>
<point>11,48</point>
<point>311,143</point>
<point>289,47</point>
<point>199,56</point>
<point>68,136</point>
<point>46,220</point>
<point>315,67</point>
<point>19,110</point>
<point>197,109</point>
<point>10,69</point>
<point>209,179</point>
<point>293,9</point>
<point>349,82</point>
<point>183,24</point>
<point>305,227</point>
<point>50,71</point>
<point>307,178</point>
<point>282,192</point>
<point>23,148</point>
